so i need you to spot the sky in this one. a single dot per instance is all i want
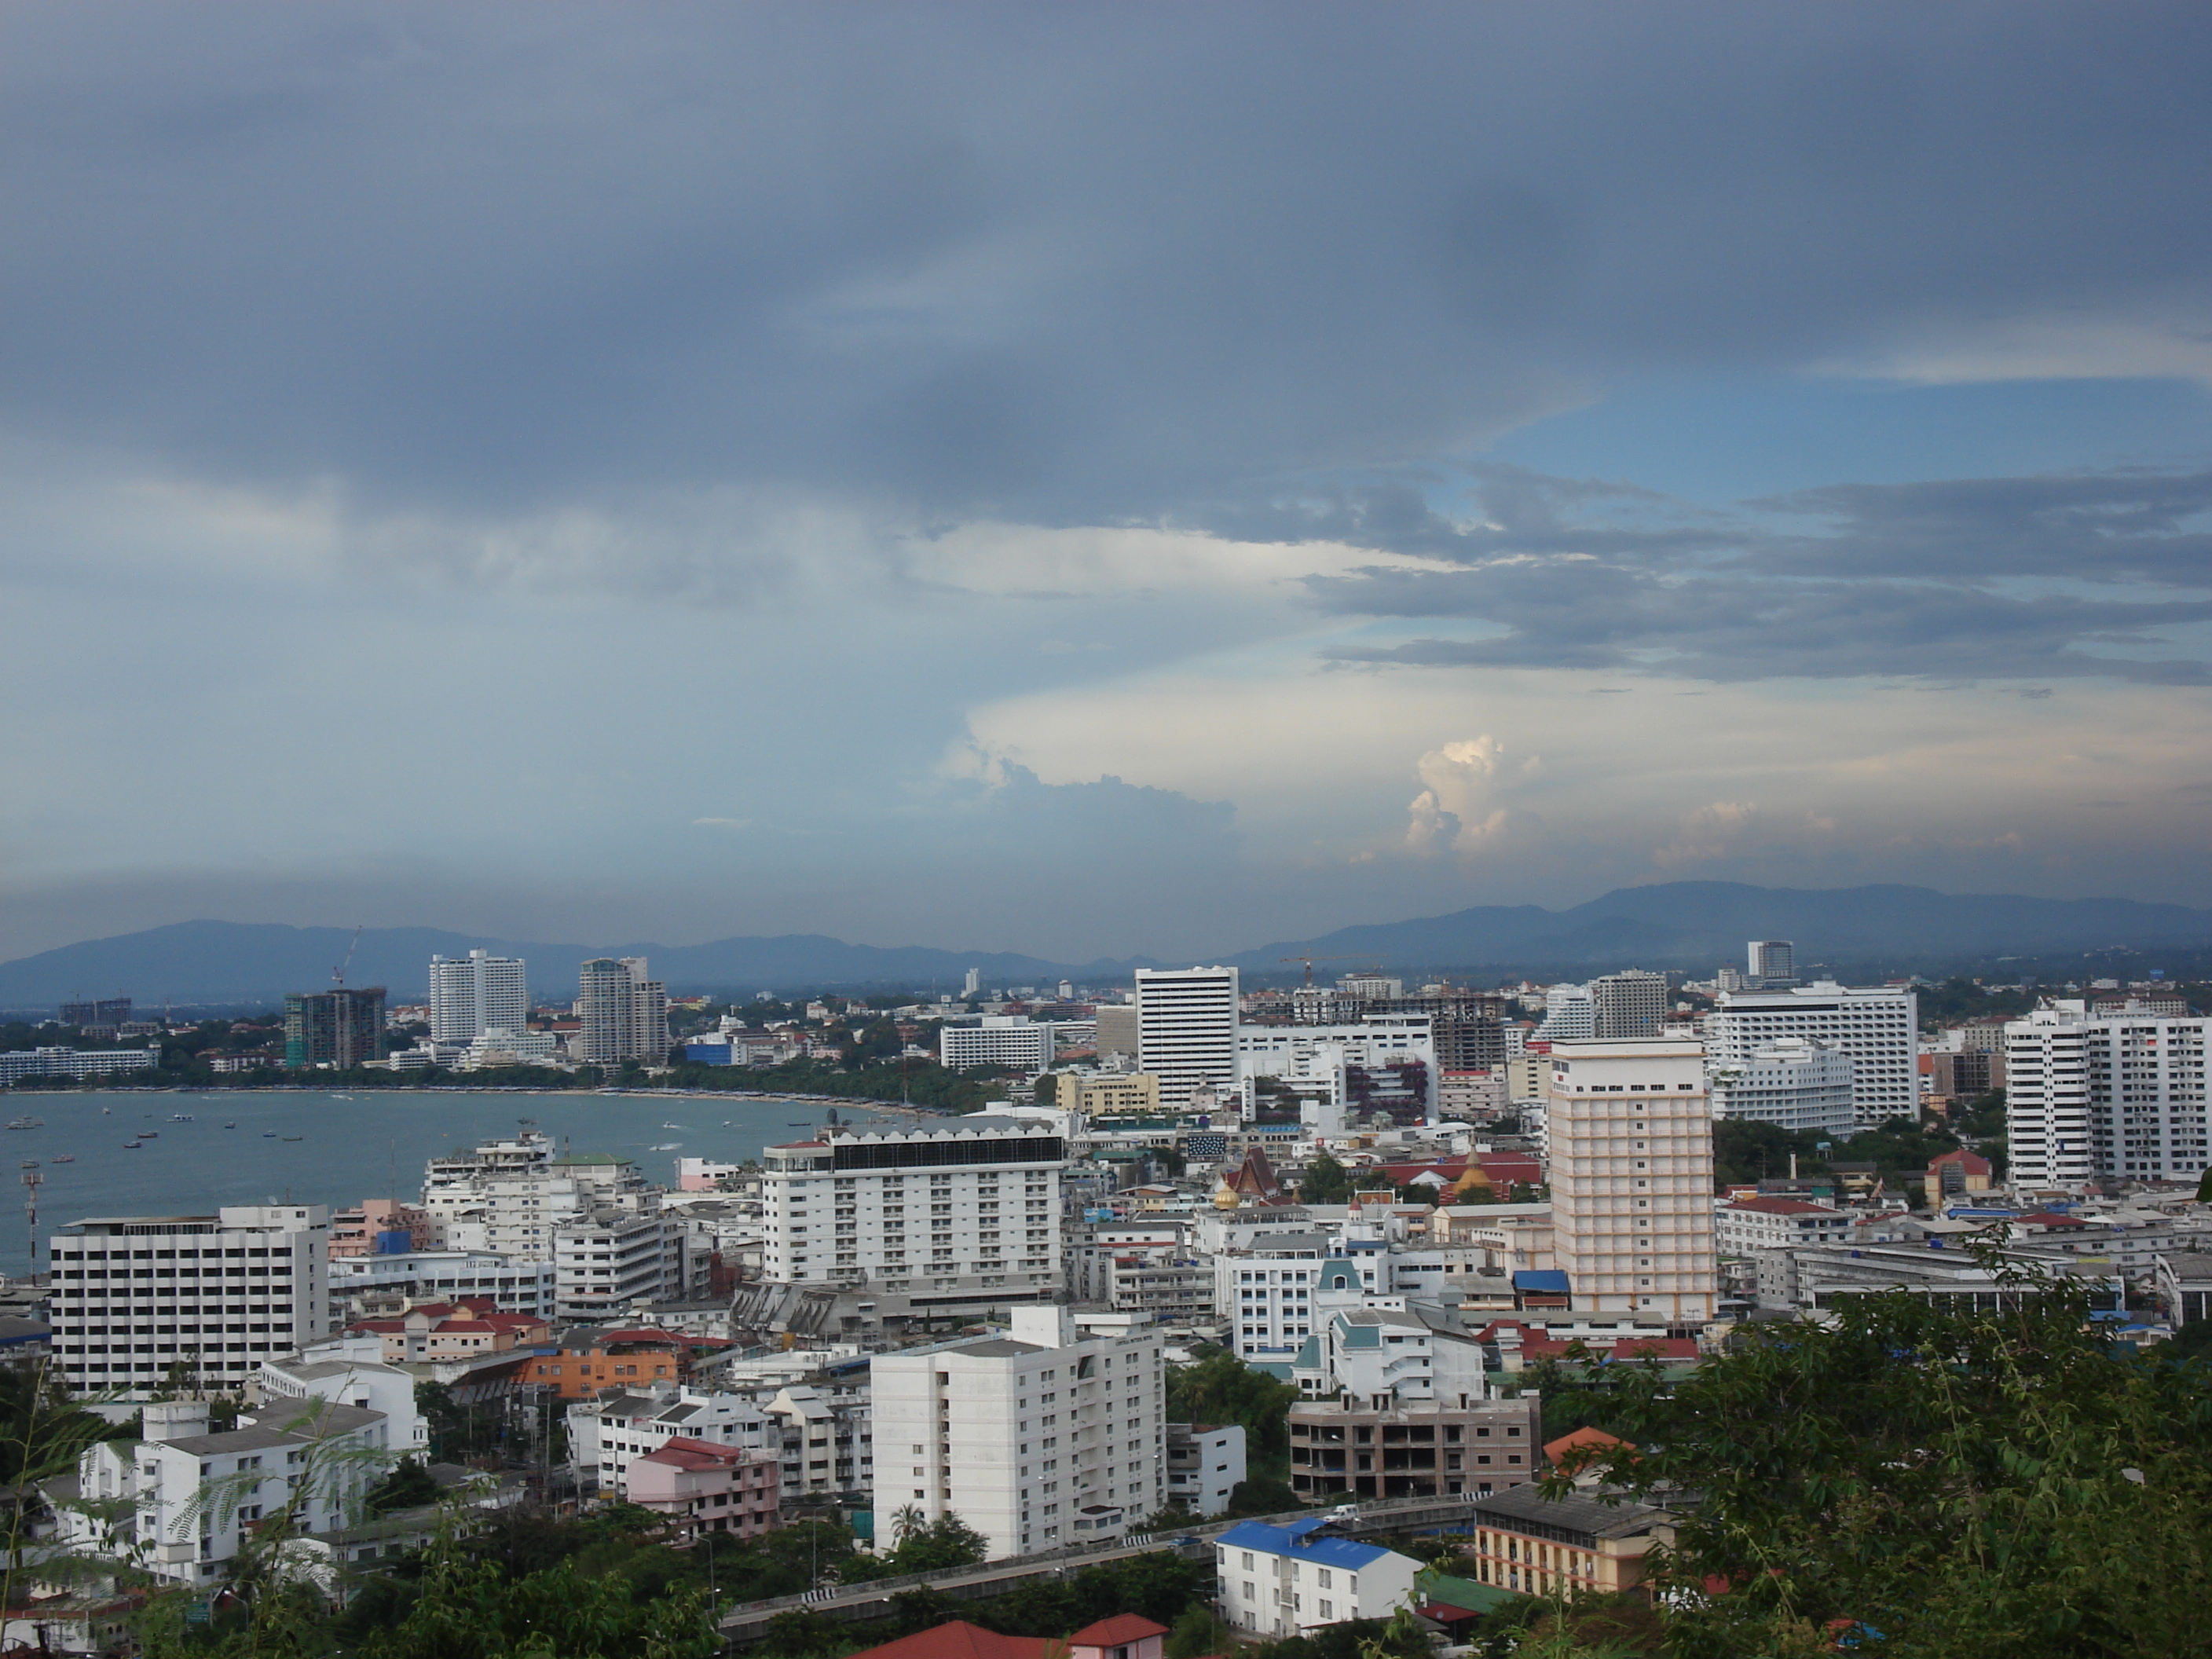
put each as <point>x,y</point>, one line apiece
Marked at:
<point>1094,480</point>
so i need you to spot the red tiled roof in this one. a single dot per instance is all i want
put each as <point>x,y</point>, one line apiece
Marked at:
<point>2051,1218</point>
<point>958,1639</point>
<point>1784,1206</point>
<point>1122,1627</point>
<point>1583,1444</point>
<point>685,1452</point>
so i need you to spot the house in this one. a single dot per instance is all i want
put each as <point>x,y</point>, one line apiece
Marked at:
<point>1283,1581</point>
<point>1124,1636</point>
<point>590,1363</point>
<point>1571,1453</point>
<point>703,1487</point>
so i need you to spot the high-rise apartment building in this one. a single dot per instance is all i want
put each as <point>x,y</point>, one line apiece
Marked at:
<point>1570,1014</point>
<point>1039,1439</point>
<point>476,993</point>
<point>1632,1004</point>
<point>1630,1136</point>
<point>966,1213</point>
<point>341,1027</point>
<point>104,1011</point>
<point>1187,1025</point>
<point>134,1296</point>
<point>623,1014</point>
<point>1012,1040</point>
<point>1770,962</point>
<point>2118,1096</point>
<point>1877,1029</point>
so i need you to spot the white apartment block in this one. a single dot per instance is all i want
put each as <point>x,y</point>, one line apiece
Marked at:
<point>622,1013</point>
<point>358,1282</point>
<point>1037,1439</point>
<point>1791,1083</point>
<point>2118,1096</point>
<point>604,1261</point>
<point>1012,1040</point>
<point>476,993</point>
<point>1318,1054</point>
<point>1282,1581</point>
<point>1570,1014</point>
<point>1269,1293</point>
<point>1631,1163</point>
<point>134,1295</point>
<point>1187,1029</point>
<point>193,1496</point>
<point>20,1063</point>
<point>965,1211</point>
<point>507,1195</point>
<point>1779,1224</point>
<point>1876,1028</point>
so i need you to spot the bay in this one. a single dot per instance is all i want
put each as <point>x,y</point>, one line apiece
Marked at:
<point>351,1145</point>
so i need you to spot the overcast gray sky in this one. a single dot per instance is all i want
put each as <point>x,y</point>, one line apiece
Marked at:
<point>1092,479</point>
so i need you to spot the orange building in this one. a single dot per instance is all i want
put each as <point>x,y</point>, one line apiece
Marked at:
<point>589,1362</point>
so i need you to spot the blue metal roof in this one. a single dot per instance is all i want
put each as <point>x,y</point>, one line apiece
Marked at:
<point>1540,1278</point>
<point>1300,1539</point>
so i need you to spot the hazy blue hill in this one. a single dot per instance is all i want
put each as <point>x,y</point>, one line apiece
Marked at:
<point>1699,923</point>
<point>1686,924</point>
<point>225,962</point>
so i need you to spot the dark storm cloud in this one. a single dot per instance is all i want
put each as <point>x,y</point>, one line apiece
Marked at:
<point>1972,579</point>
<point>1065,264</point>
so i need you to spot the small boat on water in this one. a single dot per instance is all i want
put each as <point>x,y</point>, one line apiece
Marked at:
<point>131,1146</point>
<point>230,1126</point>
<point>269,1134</point>
<point>149,1134</point>
<point>291,1136</point>
<point>65,1158</point>
<point>30,1163</point>
<point>803,1123</point>
<point>181,1117</point>
<point>666,1146</point>
<point>672,1126</point>
<point>26,1123</point>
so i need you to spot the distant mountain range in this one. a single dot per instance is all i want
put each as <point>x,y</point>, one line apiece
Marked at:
<point>1690,924</point>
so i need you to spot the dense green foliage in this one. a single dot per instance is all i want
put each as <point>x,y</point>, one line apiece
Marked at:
<point>1972,1486</point>
<point>1223,1389</point>
<point>921,1546</point>
<point>1899,1150</point>
<point>1323,1182</point>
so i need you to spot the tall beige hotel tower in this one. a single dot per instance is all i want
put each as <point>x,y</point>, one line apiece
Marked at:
<point>1631,1134</point>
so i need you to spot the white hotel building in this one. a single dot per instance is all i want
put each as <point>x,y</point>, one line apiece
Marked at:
<point>2119,1095</point>
<point>1186,1027</point>
<point>1877,1029</point>
<point>133,1295</point>
<point>1791,1083</point>
<point>961,1212</point>
<point>1010,1040</point>
<point>1037,1439</point>
<point>1632,1164</point>
<point>476,993</point>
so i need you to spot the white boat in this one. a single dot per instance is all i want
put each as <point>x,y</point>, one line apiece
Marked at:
<point>65,1158</point>
<point>26,1123</point>
<point>666,1146</point>
<point>672,1126</point>
<point>181,1117</point>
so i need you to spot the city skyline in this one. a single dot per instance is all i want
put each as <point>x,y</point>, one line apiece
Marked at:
<point>1138,480</point>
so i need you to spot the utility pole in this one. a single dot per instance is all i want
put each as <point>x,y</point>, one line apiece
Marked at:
<point>31,1179</point>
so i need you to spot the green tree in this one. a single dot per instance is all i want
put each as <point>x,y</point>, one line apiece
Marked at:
<point>1323,1182</point>
<point>1223,1389</point>
<point>1196,1632</point>
<point>408,1486</point>
<point>1973,1485</point>
<point>1262,1495</point>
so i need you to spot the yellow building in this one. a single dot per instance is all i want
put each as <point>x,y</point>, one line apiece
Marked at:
<point>1538,1545</point>
<point>1108,1094</point>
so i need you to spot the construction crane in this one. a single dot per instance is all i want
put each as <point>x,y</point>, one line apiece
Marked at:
<point>1310,962</point>
<point>339,973</point>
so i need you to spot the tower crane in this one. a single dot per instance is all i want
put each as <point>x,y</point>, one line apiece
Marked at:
<point>339,973</point>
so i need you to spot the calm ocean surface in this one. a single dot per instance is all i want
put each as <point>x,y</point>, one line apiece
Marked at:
<point>367,1145</point>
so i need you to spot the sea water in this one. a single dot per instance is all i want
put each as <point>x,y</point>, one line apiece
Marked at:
<point>351,1145</point>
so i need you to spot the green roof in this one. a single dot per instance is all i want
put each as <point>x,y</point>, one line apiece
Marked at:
<point>1434,1586</point>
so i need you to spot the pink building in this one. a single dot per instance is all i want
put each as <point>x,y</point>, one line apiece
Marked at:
<point>703,1487</point>
<point>354,1232</point>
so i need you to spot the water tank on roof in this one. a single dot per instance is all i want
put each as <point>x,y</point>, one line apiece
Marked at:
<point>394,1242</point>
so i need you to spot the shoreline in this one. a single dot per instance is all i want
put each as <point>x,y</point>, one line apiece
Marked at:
<point>858,1101</point>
